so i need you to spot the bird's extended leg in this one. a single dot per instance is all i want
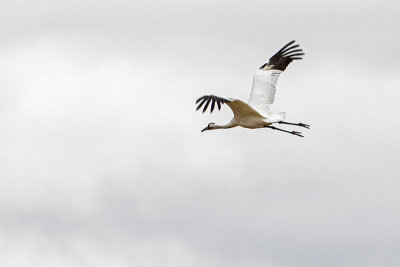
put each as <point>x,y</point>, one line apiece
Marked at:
<point>291,132</point>
<point>297,124</point>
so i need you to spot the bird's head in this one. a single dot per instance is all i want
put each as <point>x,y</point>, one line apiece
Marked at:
<point>210,126</point>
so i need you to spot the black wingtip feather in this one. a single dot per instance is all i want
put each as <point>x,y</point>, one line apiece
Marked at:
<point>288,44</point>
<point>198,100</point>
<point>289,48</point>
<point>296,54</point>
<point>292,51</point>
<point>219,105</point>
<point>201,103</point>
<point>213,99</point>
<point>212,105</point>
<point>206,105</point>
<point>281,59</point>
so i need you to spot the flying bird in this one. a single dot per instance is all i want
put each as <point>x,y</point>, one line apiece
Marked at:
<point>256,113</point>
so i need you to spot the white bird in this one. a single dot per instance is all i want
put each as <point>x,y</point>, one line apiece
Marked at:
<point>256,113</point>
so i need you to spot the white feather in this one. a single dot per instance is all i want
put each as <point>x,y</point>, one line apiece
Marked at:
<point>263,90</point>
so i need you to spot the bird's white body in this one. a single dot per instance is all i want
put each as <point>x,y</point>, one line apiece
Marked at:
<point>248,117</point>
<point>256,113</point>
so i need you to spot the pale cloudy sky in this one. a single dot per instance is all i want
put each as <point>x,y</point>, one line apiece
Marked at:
<point>103,162</point>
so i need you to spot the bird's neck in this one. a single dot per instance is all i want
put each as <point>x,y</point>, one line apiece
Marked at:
<point>231,124</point>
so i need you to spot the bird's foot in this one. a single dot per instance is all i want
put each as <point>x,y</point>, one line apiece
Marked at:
<point>304,125</point>
<point>296,133</point>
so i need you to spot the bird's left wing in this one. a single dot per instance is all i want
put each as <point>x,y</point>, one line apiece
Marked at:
<point>238,107</point>
<point>207,99</point>
<point>265,79</point>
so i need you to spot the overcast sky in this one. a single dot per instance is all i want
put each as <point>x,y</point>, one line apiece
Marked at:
<point>102,162</point>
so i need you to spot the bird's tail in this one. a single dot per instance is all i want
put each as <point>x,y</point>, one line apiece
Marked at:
<point>275,117</point>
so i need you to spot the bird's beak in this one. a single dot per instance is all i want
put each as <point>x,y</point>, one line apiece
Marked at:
<point>205,129</point>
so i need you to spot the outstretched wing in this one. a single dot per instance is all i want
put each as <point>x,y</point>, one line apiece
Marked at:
<point>284,57</point>
<point>265,79</point>
<point>207,99</point>
<point>239,108</point>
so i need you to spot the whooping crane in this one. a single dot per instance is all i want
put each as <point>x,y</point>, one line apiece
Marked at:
<point>257,114</point>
